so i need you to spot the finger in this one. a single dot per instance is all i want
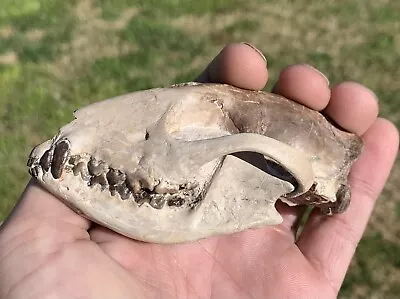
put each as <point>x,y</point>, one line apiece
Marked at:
<point>309,87</point>
<point>240,65</point>
<point>352,106</point>
<point>304,84</point>
<point>329,243</point>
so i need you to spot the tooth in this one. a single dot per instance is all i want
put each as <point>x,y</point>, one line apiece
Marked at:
<point>34,171</point>
<point>141,198</point>
<point>157,202</point>
<point>115,176</point>
<point>123,191</point>
<point>60,157</point>
<point>133,183</point>
<point>30,162</point>
<point>45,160</point>
<point>97,167</point>
<point>176,202</point>
<point>99,179</point>
<point>163,187</point>
<point>81,169</point>
<point>74,160</point>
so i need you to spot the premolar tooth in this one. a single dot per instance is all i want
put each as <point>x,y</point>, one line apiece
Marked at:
<point>115,176</point>
<point>99,179</point>
<point>60,157</point>
<point>97,167</point>
<point>81,169</point>
<point>133,183</point>
<point>123,191</point>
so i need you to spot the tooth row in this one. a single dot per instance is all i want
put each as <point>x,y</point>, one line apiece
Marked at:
<point>97,172</point>
<point>57,159</point>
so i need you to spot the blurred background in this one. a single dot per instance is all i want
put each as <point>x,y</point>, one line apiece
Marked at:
<point>59,55</point>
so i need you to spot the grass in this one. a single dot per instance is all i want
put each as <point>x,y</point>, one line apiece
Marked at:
<point>58,55</point>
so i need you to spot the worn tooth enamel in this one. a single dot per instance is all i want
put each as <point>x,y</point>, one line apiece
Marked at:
<point>163,188</point>
<point>45,160</point>
<point>133,183</point>
<point>157,202</point>
<point>82,170</point>
<point>99,179</point>
<point>197,160</point>
<point>60,158</point>
<point>34,171</point>
<point>175,202</point>
<point>123,191</point>
<point>115,176</point>
<point>141,198</point>
<point>97,167</point>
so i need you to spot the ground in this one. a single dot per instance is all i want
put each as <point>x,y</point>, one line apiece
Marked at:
<point>56,56</point>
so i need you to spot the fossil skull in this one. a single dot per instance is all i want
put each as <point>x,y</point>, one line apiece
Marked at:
<point>177,164</point>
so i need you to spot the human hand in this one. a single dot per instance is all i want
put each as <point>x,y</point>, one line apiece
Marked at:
<point>48,251</point>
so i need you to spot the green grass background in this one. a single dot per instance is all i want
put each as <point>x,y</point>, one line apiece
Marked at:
<point>58,55</point>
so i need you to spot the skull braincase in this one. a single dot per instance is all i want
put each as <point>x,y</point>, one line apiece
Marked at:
<point>195,160</point>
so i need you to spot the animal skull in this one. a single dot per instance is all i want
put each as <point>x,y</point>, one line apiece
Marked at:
<point>177,164</point>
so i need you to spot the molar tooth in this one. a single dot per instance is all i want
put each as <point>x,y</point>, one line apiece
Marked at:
<point>175,202</point>
<point>164,187</point>
<point>97,167</point>
<point>157,201</point>
<point>141,198</point>
<point>60,157</point>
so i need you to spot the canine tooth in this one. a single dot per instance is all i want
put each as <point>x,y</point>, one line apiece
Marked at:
<point>115,176</point>
<point>97,167</point>
<point>60,157</point>
<point>45,160</point>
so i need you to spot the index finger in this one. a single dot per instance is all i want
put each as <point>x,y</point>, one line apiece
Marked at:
<point>240,65</point>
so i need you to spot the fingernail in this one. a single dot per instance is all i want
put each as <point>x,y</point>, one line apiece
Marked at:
<point>318,71</point>
<point>258,51</point>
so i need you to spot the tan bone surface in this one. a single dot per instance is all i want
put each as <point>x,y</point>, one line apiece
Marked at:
<point>177,164</point>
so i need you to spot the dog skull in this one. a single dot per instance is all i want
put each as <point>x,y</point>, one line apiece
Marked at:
<point>177,164</point>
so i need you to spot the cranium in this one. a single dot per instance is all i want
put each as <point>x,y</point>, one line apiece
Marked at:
<point>176,164</point>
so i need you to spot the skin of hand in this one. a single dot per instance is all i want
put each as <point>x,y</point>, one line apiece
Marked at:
<point>48,251</point>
